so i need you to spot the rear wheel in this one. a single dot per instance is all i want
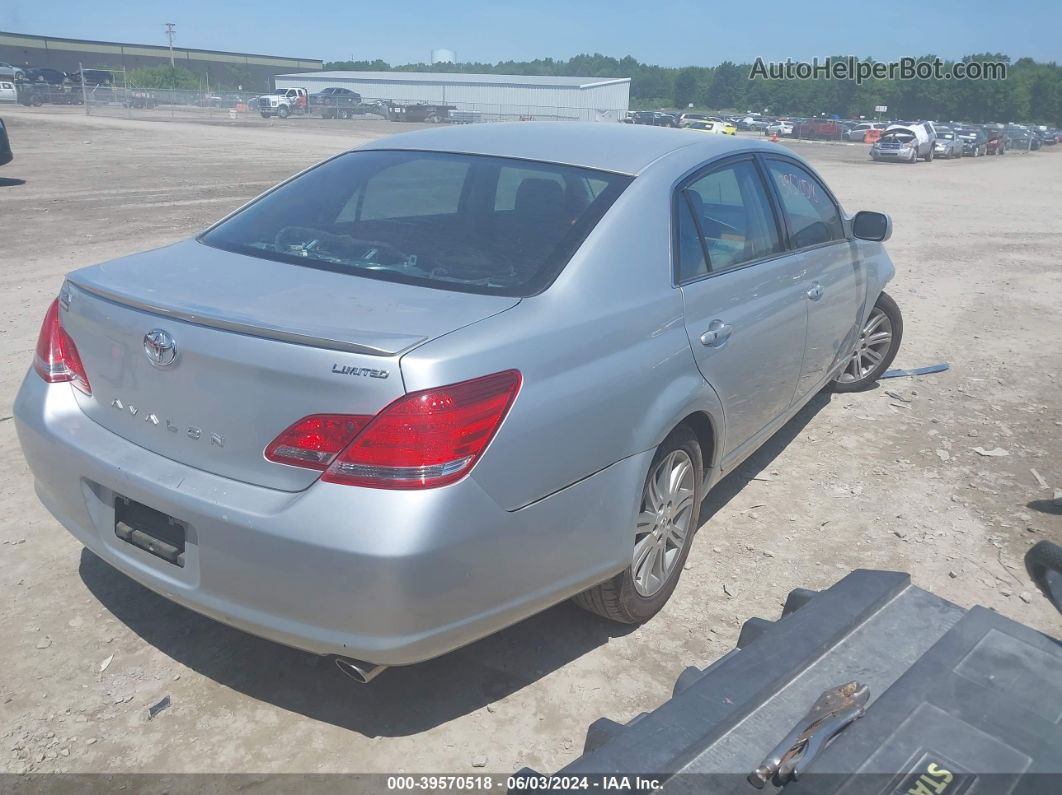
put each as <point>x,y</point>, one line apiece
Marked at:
<point>663,532</point>
<point>879,340</point>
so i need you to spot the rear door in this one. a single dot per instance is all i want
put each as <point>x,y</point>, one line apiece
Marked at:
<point>830,273</point>
<point>744,308</point>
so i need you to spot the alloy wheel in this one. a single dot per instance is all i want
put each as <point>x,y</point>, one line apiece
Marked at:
<point>664,522</point>
<point>873,346</point>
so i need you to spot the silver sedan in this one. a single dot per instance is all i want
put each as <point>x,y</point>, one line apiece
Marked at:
<point>434,385</point>
<point>948,144</point>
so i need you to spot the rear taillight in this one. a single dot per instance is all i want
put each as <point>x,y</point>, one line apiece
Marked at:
<point>57,359</point>
<point>315,440</point>
<point>422,440</point>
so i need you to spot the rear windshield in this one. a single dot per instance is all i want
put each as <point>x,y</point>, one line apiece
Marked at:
<point>460,222</point>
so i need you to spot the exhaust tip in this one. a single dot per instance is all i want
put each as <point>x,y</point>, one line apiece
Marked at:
<point>360,671</point>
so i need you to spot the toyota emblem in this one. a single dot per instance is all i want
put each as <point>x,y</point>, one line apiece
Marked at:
<point>160,348</point>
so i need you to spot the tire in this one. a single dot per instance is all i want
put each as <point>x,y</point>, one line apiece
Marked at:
<point>633,597</point>
<point>929,155</point>
<point>856,376</point>
<point>283,111</point>
<point>265,115</point>
<point>1043,561</point>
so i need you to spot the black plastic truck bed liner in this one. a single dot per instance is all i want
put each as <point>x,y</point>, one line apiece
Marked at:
<point>960,702</point>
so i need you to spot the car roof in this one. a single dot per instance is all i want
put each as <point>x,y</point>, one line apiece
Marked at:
<point>621,148</point>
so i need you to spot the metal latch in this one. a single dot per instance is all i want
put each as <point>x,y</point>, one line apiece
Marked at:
<point>832,712</point>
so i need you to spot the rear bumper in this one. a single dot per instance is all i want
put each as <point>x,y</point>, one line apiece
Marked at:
<point>390,577</point>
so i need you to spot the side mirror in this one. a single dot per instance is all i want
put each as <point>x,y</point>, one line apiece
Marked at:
<point>868,225</point>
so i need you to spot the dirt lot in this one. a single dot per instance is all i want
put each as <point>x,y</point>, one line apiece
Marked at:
<point>883,479</point>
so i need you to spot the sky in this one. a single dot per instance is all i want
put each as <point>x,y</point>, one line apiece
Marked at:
<point>679,33</point>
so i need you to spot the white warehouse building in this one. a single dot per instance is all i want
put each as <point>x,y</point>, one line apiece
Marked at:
<point>484,97</point>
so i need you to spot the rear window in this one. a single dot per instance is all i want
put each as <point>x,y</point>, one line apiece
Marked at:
<point>460,222</point>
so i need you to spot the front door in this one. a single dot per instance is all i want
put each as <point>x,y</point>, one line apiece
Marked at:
<point>833,278</point>
<point>745,308</point>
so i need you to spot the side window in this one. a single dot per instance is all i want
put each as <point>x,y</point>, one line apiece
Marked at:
<point>733,217</point>
<point>692,264</point>
<point>812,215</point>
<point>413,188</point>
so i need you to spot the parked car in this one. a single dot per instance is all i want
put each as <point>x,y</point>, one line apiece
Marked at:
<point>1018,138</point>
<point>857,132</point>
<point>975,142</point>
<point>11,72</point>
<point>714,127</point>
<point>948,144</point>
<point>782,127</point>
<point>728,127</point>
<point>905,143</point>
<point>8,92</point>
<point>819,129</point>
<point>91,77</point>
<point>44,74</point>
<point>6,155</point>
<point>753,123</point>
<point>655,118</point>
<point>995,141</point>
<point>467,350</point>
<point>335,103</point>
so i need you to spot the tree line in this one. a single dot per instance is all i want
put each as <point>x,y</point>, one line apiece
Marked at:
<point>1031,92</point>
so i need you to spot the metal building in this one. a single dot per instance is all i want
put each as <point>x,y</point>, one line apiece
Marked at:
<point>228,69</point>
<point>484,97</point>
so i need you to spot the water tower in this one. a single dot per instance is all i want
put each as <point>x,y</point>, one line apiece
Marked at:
<point>442,55</point>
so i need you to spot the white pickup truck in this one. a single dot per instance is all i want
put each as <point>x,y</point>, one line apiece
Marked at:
<point>284,102</point>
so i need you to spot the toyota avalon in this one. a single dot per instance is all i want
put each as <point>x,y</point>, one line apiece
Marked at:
<point>436,384</point>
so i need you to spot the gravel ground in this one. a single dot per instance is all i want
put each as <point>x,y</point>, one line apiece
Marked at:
<point>883,479</point>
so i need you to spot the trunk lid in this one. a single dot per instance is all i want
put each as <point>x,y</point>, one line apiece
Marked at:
<point>259,345</point>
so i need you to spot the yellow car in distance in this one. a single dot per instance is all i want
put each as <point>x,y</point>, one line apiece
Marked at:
<point>729,128</point>
<point>714,126</point>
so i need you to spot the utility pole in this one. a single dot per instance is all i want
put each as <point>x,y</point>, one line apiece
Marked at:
<point>170,32</point>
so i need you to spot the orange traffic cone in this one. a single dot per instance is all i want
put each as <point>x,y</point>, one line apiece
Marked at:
<point>774,137</point>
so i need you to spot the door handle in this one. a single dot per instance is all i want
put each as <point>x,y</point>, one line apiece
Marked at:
<point>718,332</point>
<point>815,293</point>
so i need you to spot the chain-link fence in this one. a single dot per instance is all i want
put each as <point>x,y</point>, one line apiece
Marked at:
<point>116,98</point>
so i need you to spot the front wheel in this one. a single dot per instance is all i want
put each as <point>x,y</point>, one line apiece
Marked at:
<point>283,111</point>
<point>663,532</point>
<point>879,340</point>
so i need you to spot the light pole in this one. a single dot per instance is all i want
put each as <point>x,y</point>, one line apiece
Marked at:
<point>170,31</point>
